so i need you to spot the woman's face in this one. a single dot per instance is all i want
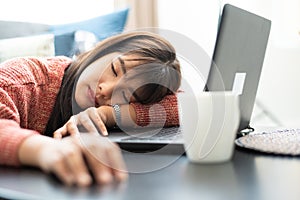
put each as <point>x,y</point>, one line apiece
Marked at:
<point>98,82</point>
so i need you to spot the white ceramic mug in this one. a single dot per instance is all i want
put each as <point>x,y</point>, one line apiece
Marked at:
<point>209,122</point>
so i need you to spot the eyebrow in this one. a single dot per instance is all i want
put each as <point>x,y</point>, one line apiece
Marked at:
<point>122,65</point>
<point>113,69</point>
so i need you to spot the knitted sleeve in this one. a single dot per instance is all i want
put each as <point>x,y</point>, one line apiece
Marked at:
<point>163,113</point>
<point>11,134</point>
<point>21,113</point>
<point>10,141</point>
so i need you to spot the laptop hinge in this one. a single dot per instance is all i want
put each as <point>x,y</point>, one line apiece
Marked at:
<point>245,131</point>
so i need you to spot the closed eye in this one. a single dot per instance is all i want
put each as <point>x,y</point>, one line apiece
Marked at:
<point>125,98</point>
<point>113,69</point>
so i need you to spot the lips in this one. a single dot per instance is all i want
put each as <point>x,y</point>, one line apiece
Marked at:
<point>91,96</point>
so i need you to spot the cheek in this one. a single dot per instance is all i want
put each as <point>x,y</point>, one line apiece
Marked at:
<point>79,94</point>
<point>98,77</point>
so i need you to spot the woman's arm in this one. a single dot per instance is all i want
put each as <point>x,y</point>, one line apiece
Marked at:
<point>11,137</point>
<point>163,113</point>
<point>11,134</point>
<point>71,158</point>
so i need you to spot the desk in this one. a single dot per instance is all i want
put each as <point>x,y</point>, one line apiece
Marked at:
<point>249,175</point>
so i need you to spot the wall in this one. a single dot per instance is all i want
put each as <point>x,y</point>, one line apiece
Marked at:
<point>278,97</point>
<point>196,19</point>
<point>54,11</point>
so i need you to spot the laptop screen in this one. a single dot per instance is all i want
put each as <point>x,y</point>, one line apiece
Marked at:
<point>238,57</point>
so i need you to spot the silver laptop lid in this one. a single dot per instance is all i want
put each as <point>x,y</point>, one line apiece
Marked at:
<point>238,57</point>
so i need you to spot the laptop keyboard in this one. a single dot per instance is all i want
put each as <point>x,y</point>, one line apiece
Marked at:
<point>165,134</point>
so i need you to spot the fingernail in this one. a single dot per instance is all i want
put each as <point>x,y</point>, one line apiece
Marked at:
<point>122,176</point>
<point>105,178</point>
<point>57,136</point>
<point>105,133</point>
<point>84,180</point>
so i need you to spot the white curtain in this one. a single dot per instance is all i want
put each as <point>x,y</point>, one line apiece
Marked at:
<point>142,14</point>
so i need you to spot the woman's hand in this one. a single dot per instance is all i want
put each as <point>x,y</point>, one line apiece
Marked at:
<point>70,159</point>
<point>93,119</point>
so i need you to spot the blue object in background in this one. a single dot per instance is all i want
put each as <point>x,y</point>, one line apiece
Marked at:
<point>102,26</point>
<point>64,44</point>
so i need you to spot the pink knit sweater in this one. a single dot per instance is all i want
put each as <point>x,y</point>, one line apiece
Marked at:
<point>28,89</point>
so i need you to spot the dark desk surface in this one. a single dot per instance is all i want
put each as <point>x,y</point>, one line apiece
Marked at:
<point>249,175</point>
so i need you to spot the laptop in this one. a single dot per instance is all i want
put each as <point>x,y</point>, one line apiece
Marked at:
<point>237,60</point>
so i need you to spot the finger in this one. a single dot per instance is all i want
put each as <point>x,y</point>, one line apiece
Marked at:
<point>99,122</point>
<point>60,169</point>
<point>99,167</point>
<point>71,126</point>
<point>59,133</point>
<point>117,163</point>
<point>77,167</point>
<point>87,123</point>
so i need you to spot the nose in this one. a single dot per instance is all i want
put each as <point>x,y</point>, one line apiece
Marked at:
<point>106,89</point>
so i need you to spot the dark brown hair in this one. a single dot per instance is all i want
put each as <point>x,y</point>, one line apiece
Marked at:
<point>153,50</point>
